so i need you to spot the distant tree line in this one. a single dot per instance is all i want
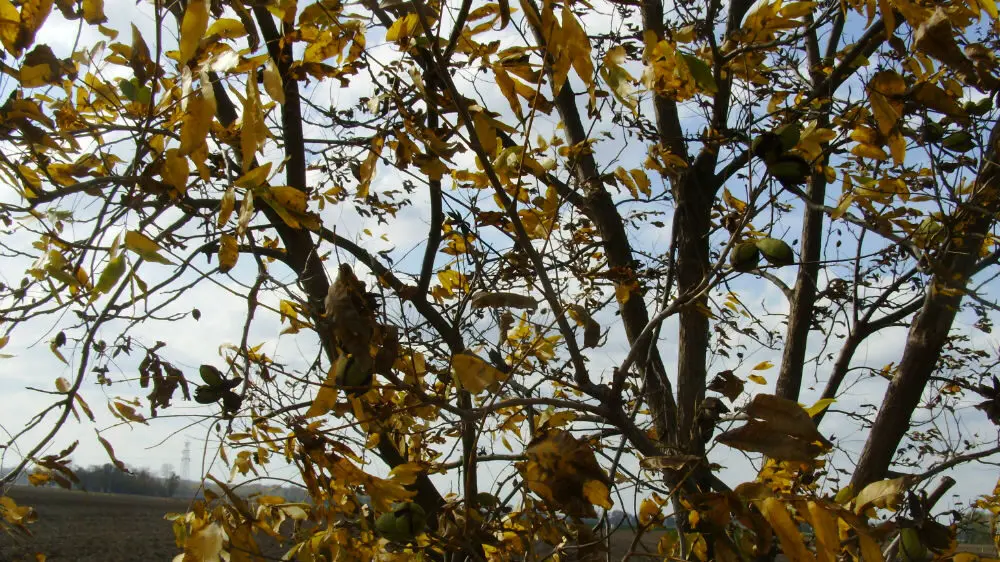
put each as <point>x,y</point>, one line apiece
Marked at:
<point>140,481</point>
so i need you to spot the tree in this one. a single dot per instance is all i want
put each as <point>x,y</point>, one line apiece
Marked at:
<point>599,187</point>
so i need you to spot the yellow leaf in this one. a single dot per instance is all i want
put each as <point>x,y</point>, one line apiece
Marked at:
<point>196,124</point>
<point>990,6</point>
<point>176,170</point>
<point>577,46</point>
<point>870,549</point>
<point>33,14</point>
<point>254,177</point>
<point>204,545</point>
<point>869,151</point>
<point>733,202</point>
<point>762,366</point>
<point>229,252</point>
<point>93,12</point>
<point>253,131</point>
<point>367,169</point>
<point>598,494</point>
<point>796,9</point>
<point>474,374</point>
<point>10,23</point>
<point>290,198</point>
<point>39,478</point>
<point>641,181</point>
<point>326,396</point>
<point>884,494</point>
<point>227,28</point>
<point>269,500</point>
<point>824,524</point>
<point>757,378</point>
<point>272,83</point>
<point>627,181</point>
<point>623,291</point>
<point>3,341</point>
<point>884,89</point>
<point>403,28</point>
<point>128,412</point>
<point>111,274</point>
<point>897,147</point>
<point>507,88</point>
<point>649,511</point>
<point>819,406</point>
<point>142,245</point>
<point>62,385</point>
<point>193,28</point>
<point>792,543</point>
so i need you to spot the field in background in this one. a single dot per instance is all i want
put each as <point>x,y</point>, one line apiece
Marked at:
<point>90,527</point>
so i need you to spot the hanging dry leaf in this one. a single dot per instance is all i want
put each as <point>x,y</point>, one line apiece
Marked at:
<point>777,437</point>
<point>229,253</point>
<point>727,384</point>
<point>144,247</point>
<point>565,473</point>
<point>785,416</point>
<point>272,82</point>
<point>193,28</point>
<point>483,299</point>
<point>226,206</point>
<point>351,311</point>
<point>474,374</point>
<point>884,494</point>
<point>111,453</point>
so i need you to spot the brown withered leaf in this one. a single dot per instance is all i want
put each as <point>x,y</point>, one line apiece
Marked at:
<point>785,416</point>
<point>760,437</point>
<point>727,384</point>
<point>564,472</point>
<point>351,310</point>
<point>484,299</point>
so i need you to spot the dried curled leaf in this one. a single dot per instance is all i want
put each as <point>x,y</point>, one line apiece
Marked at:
<point>591,329</point>
<point>727,384</point>
<point>780,428</point>
<point>229,253</point>
<point>564,472</point>
<point>483,299</point>
<point>350,309</point>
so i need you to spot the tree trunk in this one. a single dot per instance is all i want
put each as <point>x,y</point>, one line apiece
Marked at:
<point>801,310</point>
<point>930,328</point>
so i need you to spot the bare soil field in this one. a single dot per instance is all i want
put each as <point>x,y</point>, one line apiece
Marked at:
<point>91,527</point>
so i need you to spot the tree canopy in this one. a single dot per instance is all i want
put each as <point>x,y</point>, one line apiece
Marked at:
<point>518,265</point>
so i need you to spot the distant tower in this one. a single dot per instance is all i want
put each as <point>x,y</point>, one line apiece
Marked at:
<point>186,461</point>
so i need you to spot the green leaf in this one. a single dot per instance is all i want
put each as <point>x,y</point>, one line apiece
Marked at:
<point>702,73</point>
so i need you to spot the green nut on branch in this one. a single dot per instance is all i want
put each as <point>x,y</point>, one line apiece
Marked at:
<point>775,251</point>
<point>403,523</point>
<point>745,257</point>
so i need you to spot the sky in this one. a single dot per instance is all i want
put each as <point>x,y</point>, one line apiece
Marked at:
<point>192,342</point>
